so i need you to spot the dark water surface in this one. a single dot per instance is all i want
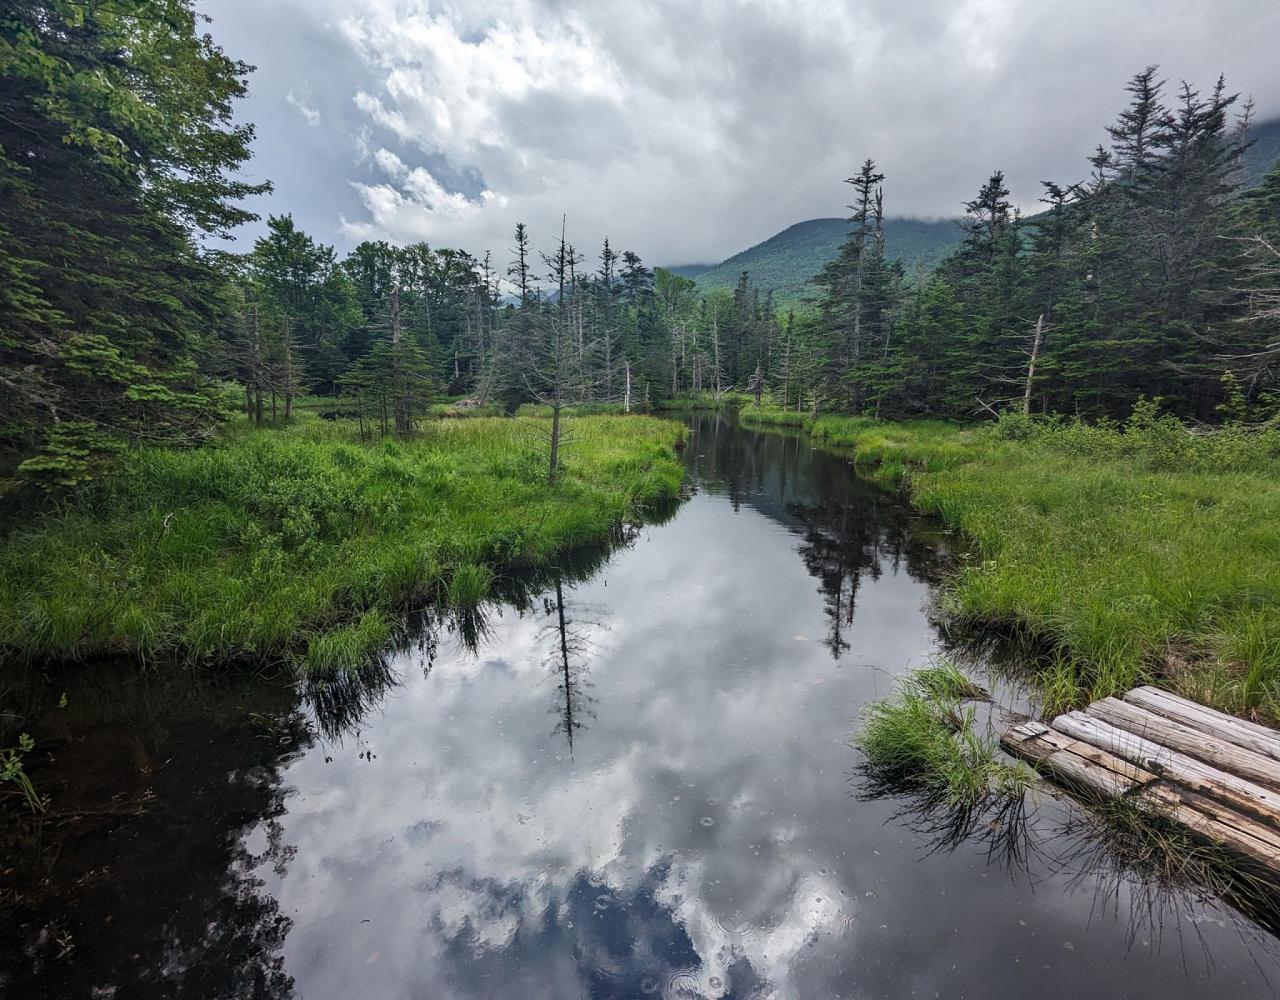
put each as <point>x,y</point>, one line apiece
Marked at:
<point>629,781</point>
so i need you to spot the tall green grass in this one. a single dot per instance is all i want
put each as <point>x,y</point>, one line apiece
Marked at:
<point>298,542</point>
<point>704,401</point>
<point>924,738</point>
<point>575,410</point>
<point>771,415</point>
<point>1143,552</point>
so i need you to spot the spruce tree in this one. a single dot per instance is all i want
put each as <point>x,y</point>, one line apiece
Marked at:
<point>117,153</point>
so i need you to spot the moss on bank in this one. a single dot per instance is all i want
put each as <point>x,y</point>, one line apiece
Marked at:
<point>301,542</point>
<point>1142,552</point>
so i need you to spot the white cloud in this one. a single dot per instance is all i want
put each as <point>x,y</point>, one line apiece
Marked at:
<point>412,203</point>
<point>302,101</point>
<point>688,131</point>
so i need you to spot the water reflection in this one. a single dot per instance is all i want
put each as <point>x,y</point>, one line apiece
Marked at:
<point>431,835</point>
<point>569,660</point>
<point>142,875</point>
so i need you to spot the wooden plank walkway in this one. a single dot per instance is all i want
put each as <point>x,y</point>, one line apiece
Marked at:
<point>1214,774</point>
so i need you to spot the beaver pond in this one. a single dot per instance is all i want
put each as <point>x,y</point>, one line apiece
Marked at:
<point>627,777</point>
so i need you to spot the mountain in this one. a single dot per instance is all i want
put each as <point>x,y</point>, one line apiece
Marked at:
<point>689,270</point>
<point>1265,151</point>
<point>787,261</point>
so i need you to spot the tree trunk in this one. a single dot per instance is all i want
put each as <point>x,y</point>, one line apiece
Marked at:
<point>1031,367</point>
<point>255,361</point>
<point>288,370</point>
<point>398,388</point>
<point>715,346</point>
<point>554,467</point>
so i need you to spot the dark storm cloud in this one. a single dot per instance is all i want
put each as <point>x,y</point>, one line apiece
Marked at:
<point>689,131</point>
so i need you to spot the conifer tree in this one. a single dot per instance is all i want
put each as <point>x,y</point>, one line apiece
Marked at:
<point>117,151</point>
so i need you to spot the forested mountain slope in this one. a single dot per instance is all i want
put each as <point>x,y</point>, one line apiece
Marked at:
<point>1265,151</point>
<point>787,261</point>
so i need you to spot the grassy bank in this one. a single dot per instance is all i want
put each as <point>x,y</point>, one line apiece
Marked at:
<point>703,401</point>
<point>299,542</point>
<point>339,407</point>
<point>774,416</point>
<point>1141,552</point>
<point>578,410</point>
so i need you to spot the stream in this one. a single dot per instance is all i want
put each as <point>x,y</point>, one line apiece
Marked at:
<point>627,777</point>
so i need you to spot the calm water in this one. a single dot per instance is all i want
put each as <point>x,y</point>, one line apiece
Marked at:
<point>631,780</point>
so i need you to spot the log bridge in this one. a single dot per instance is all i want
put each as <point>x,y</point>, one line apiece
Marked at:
<point>1214,774</point>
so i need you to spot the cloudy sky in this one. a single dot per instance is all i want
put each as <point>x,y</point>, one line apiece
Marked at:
<point>689,131</point>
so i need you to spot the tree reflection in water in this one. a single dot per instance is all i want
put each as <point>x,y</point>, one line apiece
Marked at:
<point>570,649</point>
<point>694,841</point>
<point>189,917</point>
<point>849,528</point>
<point>176,762</point>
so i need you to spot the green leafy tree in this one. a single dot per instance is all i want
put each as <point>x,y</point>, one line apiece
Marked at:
<point>118,153</point>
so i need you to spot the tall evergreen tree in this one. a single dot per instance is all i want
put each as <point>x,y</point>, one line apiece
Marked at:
<point>117,153</point>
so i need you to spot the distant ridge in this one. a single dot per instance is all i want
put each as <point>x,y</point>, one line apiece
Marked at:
<point>788,260</point>
<point>1265,151</point>
<point>689,270</point>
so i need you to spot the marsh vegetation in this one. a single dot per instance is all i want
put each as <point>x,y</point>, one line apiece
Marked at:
<point>1139,551</point>
<point>301,542</point>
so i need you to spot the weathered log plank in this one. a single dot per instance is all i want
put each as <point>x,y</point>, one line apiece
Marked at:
<point>1212,821</point>
<point>1197,776</point>
<point>1249,735</point>
<point>1097,772</point>
<point>1074,762</point>
<point>1225,756</point>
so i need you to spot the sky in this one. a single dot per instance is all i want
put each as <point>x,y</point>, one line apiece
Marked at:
<point>689,131</point>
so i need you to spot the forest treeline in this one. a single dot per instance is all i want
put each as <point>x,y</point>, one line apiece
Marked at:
<point>123,318</point>
<point>1158,276</point>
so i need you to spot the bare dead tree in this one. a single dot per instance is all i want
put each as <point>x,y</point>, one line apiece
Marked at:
<point>399,402</point>
<point>551,380</point>
<point>256,367</point>
<point>786,368</point>
<point>1016,378</point>
<point>1031,365</point>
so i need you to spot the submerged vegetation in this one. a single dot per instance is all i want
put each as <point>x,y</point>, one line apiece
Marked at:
<point>1142,552</point>
<point>301,541</point>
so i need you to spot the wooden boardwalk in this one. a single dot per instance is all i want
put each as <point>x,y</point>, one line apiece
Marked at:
<point>1214,774</point>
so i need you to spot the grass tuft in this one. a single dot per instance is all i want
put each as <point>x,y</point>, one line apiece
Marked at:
<point>924,739</point>
<point>469,585</point>
<point>349,647</point>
